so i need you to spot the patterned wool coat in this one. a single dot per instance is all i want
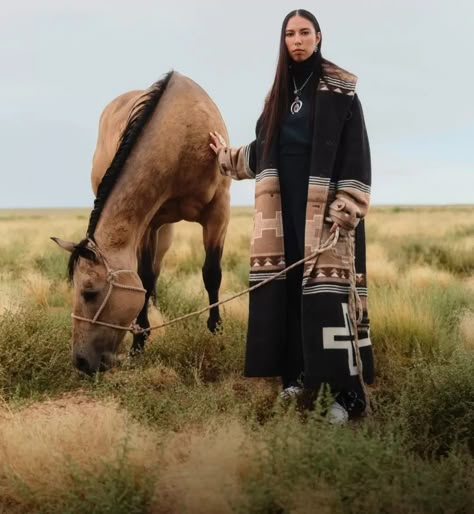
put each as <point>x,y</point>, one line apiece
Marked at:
<point>338,191</point>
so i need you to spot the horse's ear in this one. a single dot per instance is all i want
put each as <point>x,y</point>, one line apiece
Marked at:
<point>65,245</point>
<point>80,248</point>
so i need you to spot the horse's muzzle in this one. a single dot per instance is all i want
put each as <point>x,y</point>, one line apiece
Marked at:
<point>91,366</point>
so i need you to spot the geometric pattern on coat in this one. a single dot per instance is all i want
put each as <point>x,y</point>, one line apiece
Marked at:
<point>267,247</point>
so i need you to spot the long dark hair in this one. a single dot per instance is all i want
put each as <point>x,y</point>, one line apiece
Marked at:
<point>276,102</point>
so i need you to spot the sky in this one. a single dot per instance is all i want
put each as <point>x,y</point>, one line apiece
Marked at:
<point>62,61</point>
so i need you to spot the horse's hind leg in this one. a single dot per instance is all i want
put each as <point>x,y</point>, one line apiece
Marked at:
<point>155,244</point>
<point>145,271</point>
<point>214,223</point>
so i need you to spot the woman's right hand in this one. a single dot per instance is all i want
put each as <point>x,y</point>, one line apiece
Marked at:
<point>218,142</point>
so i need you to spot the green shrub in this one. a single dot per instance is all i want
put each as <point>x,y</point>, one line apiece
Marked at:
<point>192,263</point>
<point>463,231</point>
<point>175,405</point>
<point>231,260</point>
<point>441,255</point>
<point>113,488</point>
<point>197,354</point>
<point>105,488</point>
<point>174,302</point>
<point>313,467</point>
<point>434,407</point>
<point>53,265</point>
<point>241,271</point>
<point>35,353</point>
<point>411,323</point>
<point>446,303</point>
<point>12,259</point>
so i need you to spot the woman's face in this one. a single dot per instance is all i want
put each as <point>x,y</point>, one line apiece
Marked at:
<point>300,38</point>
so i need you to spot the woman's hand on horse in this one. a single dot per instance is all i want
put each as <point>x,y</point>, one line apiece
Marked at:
<point>218,142</point>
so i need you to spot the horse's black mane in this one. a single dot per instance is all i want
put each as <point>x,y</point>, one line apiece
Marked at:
<point>75,254</point>
<point>137,119</point>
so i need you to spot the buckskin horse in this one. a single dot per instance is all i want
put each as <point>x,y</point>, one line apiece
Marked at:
<point>152,167</point>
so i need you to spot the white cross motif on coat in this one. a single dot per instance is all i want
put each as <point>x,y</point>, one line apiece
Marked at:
<point>341,338</point>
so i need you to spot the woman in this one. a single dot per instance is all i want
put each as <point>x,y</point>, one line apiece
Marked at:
<point>311,163</point>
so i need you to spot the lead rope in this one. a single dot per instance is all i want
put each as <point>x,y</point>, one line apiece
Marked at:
<point>355,316</point>
<point>136,329</point>
<point>327,245</point>
<point>355,304</point>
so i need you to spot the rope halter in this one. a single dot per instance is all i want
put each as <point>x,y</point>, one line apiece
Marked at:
<point>112,275</point>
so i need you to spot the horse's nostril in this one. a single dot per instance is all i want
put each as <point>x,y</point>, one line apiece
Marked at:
<point>82,364</point>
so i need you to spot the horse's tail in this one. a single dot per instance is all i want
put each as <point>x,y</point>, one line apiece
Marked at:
<point>139,116</point>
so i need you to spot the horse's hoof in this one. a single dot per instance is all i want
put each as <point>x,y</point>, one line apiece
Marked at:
<point>137,348</point>
<point>214,325</point>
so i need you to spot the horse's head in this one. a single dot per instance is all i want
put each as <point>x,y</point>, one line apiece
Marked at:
<point>103,298</point>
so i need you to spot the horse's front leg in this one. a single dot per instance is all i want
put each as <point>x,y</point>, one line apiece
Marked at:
<point>155,244</point>
<point>214,222</point>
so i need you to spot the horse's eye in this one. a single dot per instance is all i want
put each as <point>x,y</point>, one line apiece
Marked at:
<point>89,296</point>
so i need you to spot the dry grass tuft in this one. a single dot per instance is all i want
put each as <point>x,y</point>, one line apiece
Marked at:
<point>202,468</point>
<point>36,288</point>
<point>38,442</point>
<point>237,309</point>
<point>402,326</point>
<point>425,276</point>
<point>160,376</point>
<point>199,468</point>
<point>469,283</point>
<point>380,270</point>
<point>154,316</point>
<point>9,298</point>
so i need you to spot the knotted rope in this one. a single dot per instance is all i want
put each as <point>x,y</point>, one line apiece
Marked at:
<point>355,316</point>
<point>327,245</point>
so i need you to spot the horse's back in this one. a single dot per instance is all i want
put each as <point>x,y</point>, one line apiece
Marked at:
<point>192,100</point>
<point>190,111</point>
<point>180,129</point>
<point>172,153</point>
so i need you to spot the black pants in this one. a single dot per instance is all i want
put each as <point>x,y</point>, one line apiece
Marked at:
<point>294,176</point>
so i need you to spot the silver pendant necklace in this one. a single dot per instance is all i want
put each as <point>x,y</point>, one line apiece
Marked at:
<point>297,102</point>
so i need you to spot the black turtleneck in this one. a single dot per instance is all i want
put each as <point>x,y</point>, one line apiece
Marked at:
<point>296,129</point>
<point>302,68</point>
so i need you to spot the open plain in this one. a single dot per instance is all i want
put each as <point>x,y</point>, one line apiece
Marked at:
<point>179,430</point>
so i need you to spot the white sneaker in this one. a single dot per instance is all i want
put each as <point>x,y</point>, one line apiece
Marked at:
<point>337,414</point>
<point>290,393</point>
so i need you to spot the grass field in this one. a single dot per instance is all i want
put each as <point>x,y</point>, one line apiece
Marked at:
<point>178,430</point>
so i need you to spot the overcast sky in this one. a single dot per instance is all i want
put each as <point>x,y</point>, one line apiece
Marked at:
<point>62,61</point>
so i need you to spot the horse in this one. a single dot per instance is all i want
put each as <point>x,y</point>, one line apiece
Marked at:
<point>152,167</point>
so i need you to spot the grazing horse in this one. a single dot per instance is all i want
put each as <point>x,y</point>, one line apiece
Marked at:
<point>152,167</point>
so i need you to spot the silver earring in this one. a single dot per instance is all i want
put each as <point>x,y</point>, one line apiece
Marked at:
<point>316,49</point>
